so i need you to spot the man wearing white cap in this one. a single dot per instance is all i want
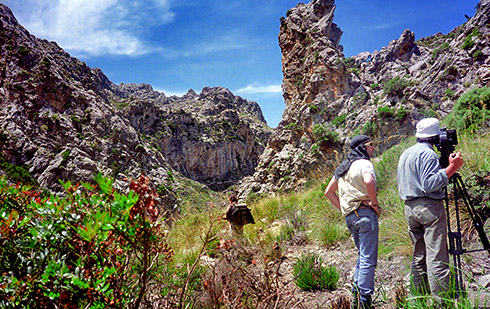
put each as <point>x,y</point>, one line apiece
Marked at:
<point>421,183</point>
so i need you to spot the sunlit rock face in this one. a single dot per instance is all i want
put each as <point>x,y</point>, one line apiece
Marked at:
<point>330,98</point>
<point>61,119</point>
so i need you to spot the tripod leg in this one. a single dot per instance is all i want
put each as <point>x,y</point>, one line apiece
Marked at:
<point>455,244</point>
<point>477,221</point>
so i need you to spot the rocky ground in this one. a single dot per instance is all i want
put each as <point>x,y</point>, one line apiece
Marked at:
<point>392,275</point>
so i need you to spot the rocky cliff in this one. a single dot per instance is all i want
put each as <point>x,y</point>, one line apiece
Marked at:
<point>60,119</point>
<point>330,98</point>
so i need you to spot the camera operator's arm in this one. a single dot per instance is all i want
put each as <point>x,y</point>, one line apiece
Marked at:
<point>333,185</point>
<point>455,162</point>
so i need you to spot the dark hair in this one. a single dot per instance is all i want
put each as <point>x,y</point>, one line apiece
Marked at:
<point>233,198</point>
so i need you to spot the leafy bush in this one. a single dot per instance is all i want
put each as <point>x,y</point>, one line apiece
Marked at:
<point>324,133</point>
<point>385,112</point>
<point>472,111</point>
<point>468,42</point>
<point>396,86</point>
<point>339,120</point>
<point>16,173</point>
<point>478,55</point>
<point>401,113</point>
<point>92,248</point>
<point>349,63</point>
<point>370,128</point>
<point>311,275</point>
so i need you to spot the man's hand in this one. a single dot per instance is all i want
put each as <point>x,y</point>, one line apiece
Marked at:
<point>455,162</point>
<point>375,207</point>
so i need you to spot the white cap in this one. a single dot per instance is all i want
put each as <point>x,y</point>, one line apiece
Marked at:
<point>428,127</point>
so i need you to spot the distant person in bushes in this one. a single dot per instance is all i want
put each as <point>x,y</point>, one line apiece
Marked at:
<point>421,182</point>
<point>355,180</point>
<point>238,215</point>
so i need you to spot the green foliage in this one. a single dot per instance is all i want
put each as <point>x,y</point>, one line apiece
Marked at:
<point>468,42</point>
<point>16,173</point>
<point>439,50</point>
<point>311,275</point>
<point>370,128</point>
<point>396,86</point>
<point>293,126</point>
<point>472,111</point>
<point>23,50</point>
<point>322,132</point>
<point>313,108</point>
<point>339,120</point>
<point>332,233</point>
<point>449,93</point>
<point>360,98</point>
<point>349,63</point>
<point>428,113</point>
<point>92,248</point>
<point>478,55</point>
<point>385,112</point>
<point>401,113</point>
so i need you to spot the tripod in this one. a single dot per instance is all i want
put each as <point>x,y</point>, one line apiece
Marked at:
<point>455,244</point>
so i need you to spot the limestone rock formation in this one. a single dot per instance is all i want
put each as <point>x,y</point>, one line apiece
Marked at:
<point>60,119</point>
<point>330,98</point>
<point>213,137</point>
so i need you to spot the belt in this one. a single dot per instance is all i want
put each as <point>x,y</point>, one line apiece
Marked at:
<point>363,205</point>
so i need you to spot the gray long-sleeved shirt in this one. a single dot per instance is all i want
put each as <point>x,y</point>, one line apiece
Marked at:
<point>420,174</point>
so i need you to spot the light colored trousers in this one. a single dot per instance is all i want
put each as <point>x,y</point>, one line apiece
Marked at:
<point>427,226</point>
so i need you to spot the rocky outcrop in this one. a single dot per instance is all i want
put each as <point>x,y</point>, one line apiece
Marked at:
<point>330,98</point>
<point>213,137</point>
<point>61,119</point>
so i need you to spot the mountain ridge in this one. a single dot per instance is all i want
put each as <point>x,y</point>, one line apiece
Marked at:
<point>330,98</point>
<point>61,119</point>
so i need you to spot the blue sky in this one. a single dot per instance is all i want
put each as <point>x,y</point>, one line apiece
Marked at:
<point>176,45</point>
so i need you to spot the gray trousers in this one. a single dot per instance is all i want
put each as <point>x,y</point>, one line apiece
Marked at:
<point>427,226</point>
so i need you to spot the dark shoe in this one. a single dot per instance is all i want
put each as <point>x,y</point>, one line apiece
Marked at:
<point>365,302</point>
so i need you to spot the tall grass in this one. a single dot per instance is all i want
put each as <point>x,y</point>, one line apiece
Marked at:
<point>475,151</point>
<point>308,216</point>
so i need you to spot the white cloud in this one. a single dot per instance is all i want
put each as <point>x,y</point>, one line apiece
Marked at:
<point>94,27</point>
<point>170,93</point>
<point>256,88</point>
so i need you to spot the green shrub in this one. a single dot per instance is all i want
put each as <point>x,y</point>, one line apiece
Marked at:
<point>401,113</point>
<point>370,128</point>
<point>428,113</point>
<point>478,55</point>
<point>92,248</point>
<point>385,112</point>
<point>472,111</point>
<point>396,86</point>
<point>468,42</point>
<point>311,275</point>
<point>339,120</point>
<point>16,173</point>
<point>349,63</point>
<point>323,133</point>
<point>441,49</point>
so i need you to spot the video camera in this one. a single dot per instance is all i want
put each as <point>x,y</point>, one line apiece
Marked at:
<point>447,140</point>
